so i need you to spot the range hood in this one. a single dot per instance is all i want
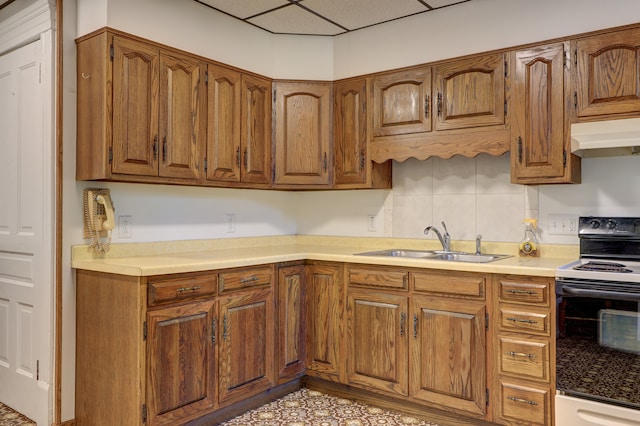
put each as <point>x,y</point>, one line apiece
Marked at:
<point>606,138</point>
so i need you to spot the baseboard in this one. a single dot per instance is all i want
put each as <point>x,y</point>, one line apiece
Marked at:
<point>67,423</point>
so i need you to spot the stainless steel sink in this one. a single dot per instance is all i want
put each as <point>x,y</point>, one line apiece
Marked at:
<point>453,256</point>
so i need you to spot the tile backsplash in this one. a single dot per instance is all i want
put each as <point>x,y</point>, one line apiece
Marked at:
<point>471,195</point>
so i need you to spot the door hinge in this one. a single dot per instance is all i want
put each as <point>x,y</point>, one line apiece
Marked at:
<point>575,57</point>
<point>110,155</point>
<point>144,330</point>
<point>214,325</point>
<point>205,165</point>
<point>486,320</point>
<point>206,78</point>
<point>506,69</point>
<point>575,100</point>
<point>144,413</point>
<point>38,369</point>
<point>487,396</point>
<point>111,54</point>
<point>564,158</point>
<point>505,107</point>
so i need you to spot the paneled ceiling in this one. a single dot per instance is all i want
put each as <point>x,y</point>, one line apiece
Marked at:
<point>323,17</point>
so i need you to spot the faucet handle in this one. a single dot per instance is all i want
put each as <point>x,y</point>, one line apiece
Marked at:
<point>444,227</point>
<point>479,244</point>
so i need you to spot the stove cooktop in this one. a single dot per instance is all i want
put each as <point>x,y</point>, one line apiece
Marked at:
<point>601,269</point>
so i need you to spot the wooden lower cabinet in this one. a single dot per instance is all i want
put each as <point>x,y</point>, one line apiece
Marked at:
<point>290,301</point>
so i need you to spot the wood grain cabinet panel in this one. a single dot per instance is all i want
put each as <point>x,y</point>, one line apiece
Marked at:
<point>607,74</point>
<point>291,345</point>
<point>377,332</point>
<point>448,352</point>
<point>302,151</point>
<point>246,345</point>
<point>181,377</point>
<point>324,307</point>
<point>353,167</point>
<point>540,151</point>
<point>470,93</point>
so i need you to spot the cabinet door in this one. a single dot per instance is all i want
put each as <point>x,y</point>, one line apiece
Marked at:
<point>135,112</point>
<point>539,150</point>
<point>182,125</point>
<point>607,75</point>
<point>256,130</point>
<point>246,345</point>
<point>291,323</point>
<point>181,360</point>
<point>377,325</point>
<point>350,132</point>
<point>401,103</point>
<point>447,355</point>
<point>303,133</point>
<point>470,93</point>
<point>324,289</point>
<point>223,124</point>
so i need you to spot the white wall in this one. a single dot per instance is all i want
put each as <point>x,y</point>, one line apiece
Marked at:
<point>471,195</point>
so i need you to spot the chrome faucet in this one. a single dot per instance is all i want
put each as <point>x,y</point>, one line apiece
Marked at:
<point>445,239</point>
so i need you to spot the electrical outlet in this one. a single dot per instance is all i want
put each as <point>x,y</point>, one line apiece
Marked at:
<point>125,226</point>
<point>563,224</point>
<point>231,222</point>
<point>372,225</point>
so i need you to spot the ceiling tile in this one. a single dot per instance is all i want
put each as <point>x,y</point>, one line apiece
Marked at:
<point>441,3</point>
<point>295,20</point>
<point>244,8</point>
<point>354,14</point>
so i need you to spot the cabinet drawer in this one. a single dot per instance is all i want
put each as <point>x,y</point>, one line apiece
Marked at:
<point>525,404</point>
<point>454,284</point>
<point>382,278</point>
<point>189,286</point>
<point>245,278</point>
<point>518,320</point>
<point>525,291</point>
<point>524,359</point>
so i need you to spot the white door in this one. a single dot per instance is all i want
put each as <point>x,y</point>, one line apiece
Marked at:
<point>26,218</point>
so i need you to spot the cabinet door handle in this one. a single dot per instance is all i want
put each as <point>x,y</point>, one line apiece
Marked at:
<point>403,319</point>
<point>246,158</point>
<point>155,147</point>
<point>214,324</point>
<point>426,106</point>
<point>164,149</point>
<point>520,149</point>
<point>183,289</point>
<point>520,354</point>
<point>238,157</point>
<point>324,162</point>
<point>415,326</point>
<point>524,401</point>
<point>226,333</point>
<point>526,321</point>
<point>439,104</point>
<point>362,159</point>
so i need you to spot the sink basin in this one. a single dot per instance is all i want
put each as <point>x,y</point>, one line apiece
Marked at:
<point>399,253</point>
<point>453,256</point>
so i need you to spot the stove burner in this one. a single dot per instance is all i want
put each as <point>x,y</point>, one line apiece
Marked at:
<point>603,267</point>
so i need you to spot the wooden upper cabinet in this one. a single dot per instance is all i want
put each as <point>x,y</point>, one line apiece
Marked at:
<point>401,103</point>
<point>256,130</point>
<point>239,126</point>
<point>540,145</point>
<point>302,151</point>
<point>353,167</point>
<point>223,123</point>
<point>607,74</point>
<point>469,92</point>
<point>140,111</point>
<point>182,125</point>
<point>135,116</point>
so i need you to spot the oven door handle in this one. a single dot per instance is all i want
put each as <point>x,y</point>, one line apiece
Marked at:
<point>570,291</point>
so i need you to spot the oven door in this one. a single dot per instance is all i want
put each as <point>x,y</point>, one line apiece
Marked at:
<point>598,341</point>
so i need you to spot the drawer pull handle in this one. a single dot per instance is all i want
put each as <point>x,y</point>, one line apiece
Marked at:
<point>526,321</point>
<point>183,289</point>
<point>525,401</point>
<point>522,354</point>
<point>248,280</point>
<point>527,292</point>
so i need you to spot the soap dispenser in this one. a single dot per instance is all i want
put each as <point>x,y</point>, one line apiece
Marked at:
<point>529,246</point>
